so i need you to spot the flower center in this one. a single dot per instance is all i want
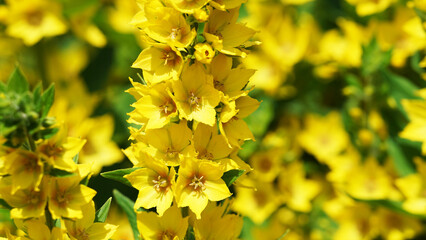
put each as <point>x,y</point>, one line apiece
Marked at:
<point>170,57</point>
<point>34,18</point>
<point>175,34</point>
<point>160,184</point>
<point>198,183</point>
<point>171,153</point>
<point>166,235</point>
<point>167,108</point>
<point>193,100</point>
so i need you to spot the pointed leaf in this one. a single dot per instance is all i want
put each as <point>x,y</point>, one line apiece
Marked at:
<point>102,213</point>
<point>231,176</point>
<point>47,100</point>
<point>17,82</point>
<point>118,175</point>
<point>402,165</point>
<point>127,205</point>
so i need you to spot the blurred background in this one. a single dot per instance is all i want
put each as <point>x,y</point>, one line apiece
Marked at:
<point>339,132</point>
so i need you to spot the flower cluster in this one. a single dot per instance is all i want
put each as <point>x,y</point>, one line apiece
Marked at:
<point>189,114</point>
<point>334,161</point>
<point>41,181</point>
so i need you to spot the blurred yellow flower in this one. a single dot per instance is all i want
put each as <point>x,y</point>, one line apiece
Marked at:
<point>31,20</point>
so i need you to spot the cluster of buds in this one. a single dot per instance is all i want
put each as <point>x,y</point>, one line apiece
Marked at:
<point>41,181</point>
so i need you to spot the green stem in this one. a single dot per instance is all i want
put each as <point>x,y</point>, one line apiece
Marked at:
<point>30,139</point>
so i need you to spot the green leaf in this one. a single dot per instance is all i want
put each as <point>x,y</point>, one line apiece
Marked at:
<point>17,82</point>
<point>127,205</point>
<point>259,120</point>
<point>118,175</point>
<point>395,206</point>
<point>102,213</point>
<point>60,173</point>
<point>5,215</point>
<point>47,100</point>
<point>399,87</point>
<point>4,204</point>
<point>231,176</point>
<point>402,164</point>
<point>373,58</point>
<point>37,97</point>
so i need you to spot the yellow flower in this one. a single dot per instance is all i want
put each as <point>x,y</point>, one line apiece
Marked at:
<point>266,165</point>
<point>31,20</point>
<point>86,228</point>
<point>60,150</point>
<point>368,7</point>
<point>413,187</point>
<point>37,230</point>
<point>324,137</point>
<point>159,63</point>
<point>229,81</point>
<point>195,96</point>
<point>66,197</point>
<point>198,182</point>
<point>225,34</point>
<point>171,144</point>
<point>25,169</point>
<point>295,189</point>
<point>234,128</point>
<point>226,4</point>
<point>26,203</point>
<point>204,53</point>
<point>257,202</point>
<point>416,128</point>
<point>164,24</point>
<point>396,226</point>
<point>215,223</point>
<point>170,226</point>
<point>404,35</point>
<point>154,184</point>
<point>83,27</point>
<point>369,181</point>
<point>157,106</point>
<point>188,6</point>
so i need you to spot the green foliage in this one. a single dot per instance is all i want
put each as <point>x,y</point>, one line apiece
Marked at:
<point>127,205</point>
<point>373,58</point>
<point>102,213</point>
<point>23,113</point>
<point>402,164</point>
<point>231,176</point>
<point>118,175</point>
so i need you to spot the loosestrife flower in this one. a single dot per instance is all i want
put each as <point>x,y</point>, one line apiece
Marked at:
<point>189,112</point>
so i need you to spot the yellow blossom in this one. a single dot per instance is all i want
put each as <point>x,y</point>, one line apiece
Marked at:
<point>198,182</point>
<point>26,203</point>
<point>159,63</point>
<point>25,169</point>
<point>31,20</point>
<point>155,184</point>
<point>157,106</point>
<point>86,228</point>
<point>188,6</point>
<point>164,24</point>
<point>324,137</point>
<point>368,7</point>
<point>170,226</point>
<point>215,223</point>
<point>195,96</point>
<point>225,34</point>
<point>66,197</point>
<point>413,187</point>
<point>170,144</point>
<point>60,150</point>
